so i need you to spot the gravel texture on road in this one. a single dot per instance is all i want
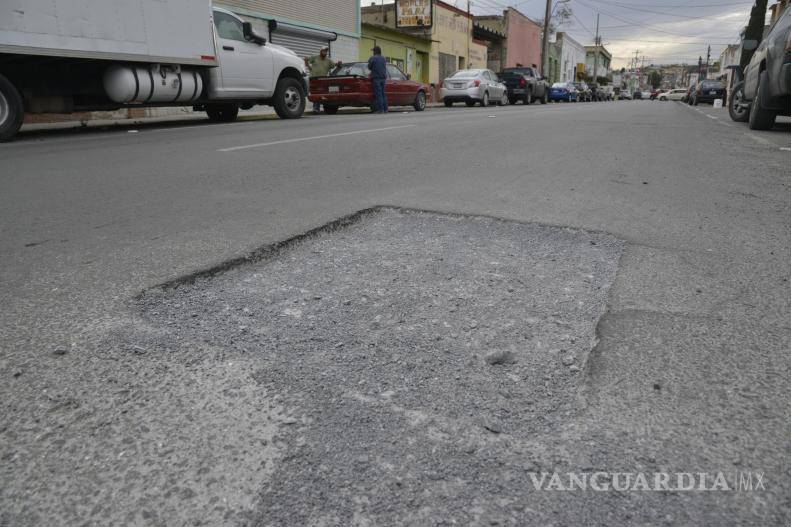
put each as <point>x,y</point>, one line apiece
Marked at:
<point>407,352</point>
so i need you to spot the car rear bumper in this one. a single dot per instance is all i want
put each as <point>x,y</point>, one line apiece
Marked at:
<point>467,94</point>
<point>343,99</point>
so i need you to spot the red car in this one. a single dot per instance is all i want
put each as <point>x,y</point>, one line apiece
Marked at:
<point>350,85</point>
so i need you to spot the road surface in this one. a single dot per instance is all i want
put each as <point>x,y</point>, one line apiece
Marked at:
<point>108,418</point>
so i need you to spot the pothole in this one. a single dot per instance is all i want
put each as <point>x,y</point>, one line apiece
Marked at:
<point>406,345</point>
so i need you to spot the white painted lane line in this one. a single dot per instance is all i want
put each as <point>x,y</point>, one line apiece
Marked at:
<point>709,116</point>
<point>759,139</point>
<point>313,138</point>
<point>785,149</point>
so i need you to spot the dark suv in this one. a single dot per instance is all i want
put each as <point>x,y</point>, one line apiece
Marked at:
<point>765,91</point>
<point>708,91</point>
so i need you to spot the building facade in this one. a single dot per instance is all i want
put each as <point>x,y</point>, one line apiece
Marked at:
<point>553,63</point>
<point>572,57</point>
<point>452,44</point>
<point>304,26</point>
<point>522,44</point>
<point>599,59</point>
<point>408,52</point>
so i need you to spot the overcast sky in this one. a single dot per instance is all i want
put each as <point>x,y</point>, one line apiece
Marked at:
<point>663,31</point>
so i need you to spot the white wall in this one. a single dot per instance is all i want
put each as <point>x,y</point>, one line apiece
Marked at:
<point>571,54</point>
<point>345,49</point>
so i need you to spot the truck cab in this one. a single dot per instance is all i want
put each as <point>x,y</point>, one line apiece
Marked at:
<point>56,57</point>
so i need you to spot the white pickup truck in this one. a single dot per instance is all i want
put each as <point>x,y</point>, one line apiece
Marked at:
<point>61,56</point>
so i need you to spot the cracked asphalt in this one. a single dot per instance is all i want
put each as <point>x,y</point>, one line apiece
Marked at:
<point>120,407</point>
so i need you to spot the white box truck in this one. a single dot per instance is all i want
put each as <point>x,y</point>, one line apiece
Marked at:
<point>61,56</point>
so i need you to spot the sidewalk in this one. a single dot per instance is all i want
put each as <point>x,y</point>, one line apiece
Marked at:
<point>255,114</point>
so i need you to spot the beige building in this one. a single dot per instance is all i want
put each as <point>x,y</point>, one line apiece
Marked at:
<point>452,43</point>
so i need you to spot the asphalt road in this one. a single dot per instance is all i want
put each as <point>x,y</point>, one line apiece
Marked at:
<point>690,372</point>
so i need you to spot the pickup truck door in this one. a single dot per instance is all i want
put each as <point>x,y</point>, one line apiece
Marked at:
<point>246,68</point>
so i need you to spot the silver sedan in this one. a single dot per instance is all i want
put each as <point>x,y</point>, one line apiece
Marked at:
<point>474,86</point>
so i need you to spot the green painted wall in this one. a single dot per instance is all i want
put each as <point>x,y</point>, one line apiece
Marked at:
<point>408,52</point>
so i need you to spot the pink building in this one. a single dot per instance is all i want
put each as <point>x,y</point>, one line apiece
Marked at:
<point>522,42</point>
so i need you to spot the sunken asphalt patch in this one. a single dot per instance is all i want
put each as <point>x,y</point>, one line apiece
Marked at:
<point>416,362</point>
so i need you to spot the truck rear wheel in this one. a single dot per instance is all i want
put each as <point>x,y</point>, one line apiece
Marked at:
<point>761,119</point>
<point>12,110</point>
<point>289,99</point>
<point>222,113</point>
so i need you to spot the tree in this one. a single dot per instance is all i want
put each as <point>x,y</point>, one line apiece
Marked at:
<point>654,79</point>
<point>754,31</point>
<point>559,19</point>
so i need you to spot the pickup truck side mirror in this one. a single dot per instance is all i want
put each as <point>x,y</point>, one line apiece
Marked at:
<point>251,35</point>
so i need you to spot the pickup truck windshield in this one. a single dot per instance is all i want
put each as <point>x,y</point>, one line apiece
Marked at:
<point>357,68</point>
<point>517,71</point>
<point>559,85</point>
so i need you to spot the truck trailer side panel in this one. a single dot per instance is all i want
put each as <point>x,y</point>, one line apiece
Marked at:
<point>164,31</point>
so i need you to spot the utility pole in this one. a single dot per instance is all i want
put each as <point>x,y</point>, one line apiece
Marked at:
<point>545,40</point>
<point>469,35</point>
<point>596,55</point>
<point>708,57</point>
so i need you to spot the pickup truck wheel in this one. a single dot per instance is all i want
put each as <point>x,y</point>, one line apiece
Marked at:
<point>289,101</point>
<point>545,98</point>
<point>420,101</point>
<point>761,119</point>
<point>330,110</point>
<point>739,109</point>
<point>12,110</point>
<point>512,99</point>
<point>528,98</point>
<point>222,113</point>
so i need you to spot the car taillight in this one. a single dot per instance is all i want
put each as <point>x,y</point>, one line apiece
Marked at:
<point>522,82</point>
<point>476,83</point>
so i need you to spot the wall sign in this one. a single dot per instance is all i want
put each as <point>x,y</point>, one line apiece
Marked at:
<point>414,13</point>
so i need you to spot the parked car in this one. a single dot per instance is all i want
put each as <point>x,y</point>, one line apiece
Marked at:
<point>625,95</point>
<point>708,91</point>
<point>62,56</point>
<point>585,94</point>
<point>765,91</point>
<point>473,86</point>
<point>350,85</point>
<point>607,92</point>
<point>673,95</point>
<point>598,92</point>
<point>526,85</point>
<point>637,95</point>
<point>654,94</point>
<point>564,91</point>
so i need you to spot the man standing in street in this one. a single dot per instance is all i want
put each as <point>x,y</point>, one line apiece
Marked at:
<point>320,66</point>
<point>378,66</point>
